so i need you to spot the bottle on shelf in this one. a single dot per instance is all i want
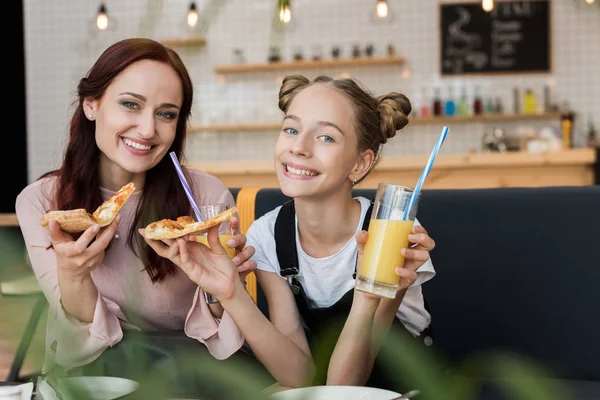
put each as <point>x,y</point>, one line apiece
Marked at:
<point>529,102</point>
<point>477,102</point>
<point>450,106</point>
<point>489,106</point>
<point>498,107</point>
<point>566,128</point>
<point>424,112</point>
<point>592,135</point>
<point>437,103</point>
<point>547,99</point>
<point>463,104</point>
<point>516,101</point>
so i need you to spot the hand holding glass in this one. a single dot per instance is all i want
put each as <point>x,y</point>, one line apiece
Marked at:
<point>388,234</point>
<point>225,231</point>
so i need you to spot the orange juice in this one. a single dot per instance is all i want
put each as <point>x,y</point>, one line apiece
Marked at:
<point>382,250</point>
<point>223,238</point>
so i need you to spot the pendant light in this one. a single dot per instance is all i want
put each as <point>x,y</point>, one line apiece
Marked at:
<point>102,18</point>
<point>192,17</point>
<point>487,5</point>
<point>381,13</point>
<point>285,13</point>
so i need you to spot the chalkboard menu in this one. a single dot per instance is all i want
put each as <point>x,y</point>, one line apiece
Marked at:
<point>514,37</point>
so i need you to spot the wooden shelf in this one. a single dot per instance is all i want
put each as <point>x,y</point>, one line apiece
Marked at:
<point>276,66</point>
<point>471,119</point>
<point>8,220</point>
<point>184,42</point>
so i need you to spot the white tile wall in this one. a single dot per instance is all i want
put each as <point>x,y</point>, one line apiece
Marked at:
<point>62,43</point>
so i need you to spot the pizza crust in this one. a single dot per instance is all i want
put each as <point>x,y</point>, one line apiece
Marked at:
<point>184,226</point>
<point>79,220</point>
<point>71,221</point>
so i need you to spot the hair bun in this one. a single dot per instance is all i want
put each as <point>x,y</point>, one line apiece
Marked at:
<point>290,86</point>
<point>394,109</point>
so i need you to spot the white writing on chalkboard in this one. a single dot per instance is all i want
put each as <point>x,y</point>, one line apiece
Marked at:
<point>514,37</point>
<point>514,9</point>
<point>505,38</point>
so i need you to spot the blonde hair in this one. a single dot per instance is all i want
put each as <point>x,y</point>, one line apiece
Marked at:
<point>377,119</point>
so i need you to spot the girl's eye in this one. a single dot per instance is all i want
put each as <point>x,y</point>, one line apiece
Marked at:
<point>326,139</point>
<point>291,131</point>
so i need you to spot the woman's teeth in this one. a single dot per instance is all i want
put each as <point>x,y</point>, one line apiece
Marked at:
<point>299,171</point>
<point>136,145</point>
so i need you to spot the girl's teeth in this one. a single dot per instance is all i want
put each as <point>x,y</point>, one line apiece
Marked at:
<point>300,171</point>
<point>135,145</point>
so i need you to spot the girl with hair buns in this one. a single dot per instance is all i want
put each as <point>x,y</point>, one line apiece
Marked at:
<point>331,138</point>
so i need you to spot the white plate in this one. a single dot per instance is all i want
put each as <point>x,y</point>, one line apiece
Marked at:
<point>335,393</point>
<point>95,387</point>
<point>26,390</point>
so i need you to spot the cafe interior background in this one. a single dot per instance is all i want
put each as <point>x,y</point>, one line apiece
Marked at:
<point>516,118</point>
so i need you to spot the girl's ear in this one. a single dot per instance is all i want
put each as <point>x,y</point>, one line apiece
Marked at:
<point>363,165</point>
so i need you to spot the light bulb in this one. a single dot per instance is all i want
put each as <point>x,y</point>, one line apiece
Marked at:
<point>285,14</point>
<point>382,8</point>
<point>192,18</point>
<point>102,18</point>
<point>589,1</point>
<point>487,5</point>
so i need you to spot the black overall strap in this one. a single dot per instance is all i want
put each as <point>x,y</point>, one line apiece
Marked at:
<point>287,255</point>
<point>367,220</point>
<point>285,240</point>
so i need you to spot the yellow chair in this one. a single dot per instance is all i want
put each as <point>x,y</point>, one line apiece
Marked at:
<point>245,201</point>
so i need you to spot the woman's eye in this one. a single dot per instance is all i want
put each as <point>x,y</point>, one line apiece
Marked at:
<point>129,104</point>
<point>291,131</point>
<point>326,139</point>
<point>167,115</point>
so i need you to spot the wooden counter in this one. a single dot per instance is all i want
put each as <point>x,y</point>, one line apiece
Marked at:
<point>481,170</point>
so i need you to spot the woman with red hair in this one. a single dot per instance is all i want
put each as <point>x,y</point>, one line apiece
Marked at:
<point>133,108</point>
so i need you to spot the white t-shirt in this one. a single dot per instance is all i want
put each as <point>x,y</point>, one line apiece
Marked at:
<point>325,280</point>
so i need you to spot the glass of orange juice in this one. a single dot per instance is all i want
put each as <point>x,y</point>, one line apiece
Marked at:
<point>225,231</point>
<point>388,233</point>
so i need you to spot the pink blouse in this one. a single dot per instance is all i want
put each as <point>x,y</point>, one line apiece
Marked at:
<point>124,287</point>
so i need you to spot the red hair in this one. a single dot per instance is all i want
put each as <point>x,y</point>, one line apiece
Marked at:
<point>78,180</point>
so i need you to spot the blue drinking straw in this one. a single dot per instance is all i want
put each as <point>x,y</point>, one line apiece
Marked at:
<point>425,172</point>
<point>186,187</point>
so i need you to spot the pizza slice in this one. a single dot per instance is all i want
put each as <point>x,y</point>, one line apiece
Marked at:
<point>183,226</point>
<point>79,220</point>
<point>107,212</point>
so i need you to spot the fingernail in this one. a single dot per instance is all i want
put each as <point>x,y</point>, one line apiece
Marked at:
<point>231,243</point>
<point>235,260</point>
<point>398,271</point>
<point>96,228</point>
<point>412,237</point>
